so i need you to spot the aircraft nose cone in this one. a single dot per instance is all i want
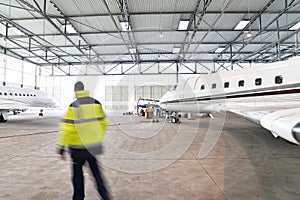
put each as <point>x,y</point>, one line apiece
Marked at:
<point>297,136</point>
<point>296,132</point>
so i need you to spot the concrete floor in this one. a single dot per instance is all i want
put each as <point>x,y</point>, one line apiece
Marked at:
<point>160,161</point>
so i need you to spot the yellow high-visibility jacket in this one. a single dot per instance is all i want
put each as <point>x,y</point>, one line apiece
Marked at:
<point>84,123</point>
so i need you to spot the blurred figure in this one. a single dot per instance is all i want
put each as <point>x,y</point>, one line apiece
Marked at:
<point>82,130</point>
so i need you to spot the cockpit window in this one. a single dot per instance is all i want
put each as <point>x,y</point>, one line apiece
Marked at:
<point>174,87</point>
<point>241,83</point>
<point>226,85</point>
<point>258,81</point>
<point>213,86</point>
<point>278,79</point>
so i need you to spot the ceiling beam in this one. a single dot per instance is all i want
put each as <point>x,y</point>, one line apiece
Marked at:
<point>153,31</point>
<point>116,26</point>
<point>238,43</point>
<point>109,62</point>
<point>170,53</point>
<point>293,12</point>
<point>44,14</point>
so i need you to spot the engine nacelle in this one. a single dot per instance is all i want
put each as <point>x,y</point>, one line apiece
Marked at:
<point>284,123</point>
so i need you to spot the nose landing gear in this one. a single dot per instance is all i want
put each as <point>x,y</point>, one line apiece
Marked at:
<point>41,113</point>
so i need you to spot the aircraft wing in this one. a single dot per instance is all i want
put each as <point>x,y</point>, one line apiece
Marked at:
<point>252,115</point>
<point>281,122</point>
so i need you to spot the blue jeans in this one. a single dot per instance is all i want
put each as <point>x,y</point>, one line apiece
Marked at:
<point>79,157</point>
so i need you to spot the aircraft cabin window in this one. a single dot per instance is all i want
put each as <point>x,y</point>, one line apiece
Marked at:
<point>5,93</point>
<point>202,87</point>
<point>241,83</point>
<point>278,79</point>
<point>20,94</point>
<point>226,85</point>
<point>0,93</point>
<point>10,94</point>
<point>258,81</point>
<point>213,86</point>
<point>24,95</point>
<point>16,94</point>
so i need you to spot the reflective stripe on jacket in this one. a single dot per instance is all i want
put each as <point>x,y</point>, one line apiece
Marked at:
<point>84,123</point>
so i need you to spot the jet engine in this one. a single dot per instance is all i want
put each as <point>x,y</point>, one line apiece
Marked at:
<point>284,123</point>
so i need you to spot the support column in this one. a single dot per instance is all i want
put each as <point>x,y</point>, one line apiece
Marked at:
<point>296,44</point>
<point>231,55</point>
<point>22,73</point>
<point>177,72</point>
<point>40,74</point>
<point>35,78</point>
<point>4,68</point>
<point>278,44</point>
<point>53,91</point>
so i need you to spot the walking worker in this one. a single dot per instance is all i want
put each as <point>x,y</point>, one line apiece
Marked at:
<point>82,130</point>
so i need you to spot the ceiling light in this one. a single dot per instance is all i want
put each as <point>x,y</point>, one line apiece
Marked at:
<point>125,26</point>
<point>219,49</point>
<point>295,27</point>
<point>241,25</point>
<point>249,34</point>
<point>176,50</point>
<point>132,50</point>
<point>53,4</point>
<point>183,25</point>
<point>161,35</point>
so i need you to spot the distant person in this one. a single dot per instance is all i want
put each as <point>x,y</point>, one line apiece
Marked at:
<point>142,112</point>
<point>82,130</point>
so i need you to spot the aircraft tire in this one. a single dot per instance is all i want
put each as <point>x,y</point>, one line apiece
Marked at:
<point>174,120</point>
<point>2,119</point>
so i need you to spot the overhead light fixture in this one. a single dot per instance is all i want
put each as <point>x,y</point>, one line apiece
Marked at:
<point>125,26</point>
<point>161,35</point>
<point>219,49</point>
<point>183,25</point>
<point>241,25</point>
<point>249,35</point>
<point>176,50</point>
<point>132,50</point>
<point>295,27</point>
<point>55,6</point>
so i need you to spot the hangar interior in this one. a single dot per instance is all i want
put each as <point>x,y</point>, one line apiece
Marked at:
<point>44,41</point>
<point>126,49</point>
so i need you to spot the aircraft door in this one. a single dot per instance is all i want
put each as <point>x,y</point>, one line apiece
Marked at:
<point>188,89</point>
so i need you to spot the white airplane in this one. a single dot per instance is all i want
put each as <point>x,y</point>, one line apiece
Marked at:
<point>267,94</point>
<point>19,99</point>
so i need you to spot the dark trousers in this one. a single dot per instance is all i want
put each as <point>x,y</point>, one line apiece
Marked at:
<point>79,157</point>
